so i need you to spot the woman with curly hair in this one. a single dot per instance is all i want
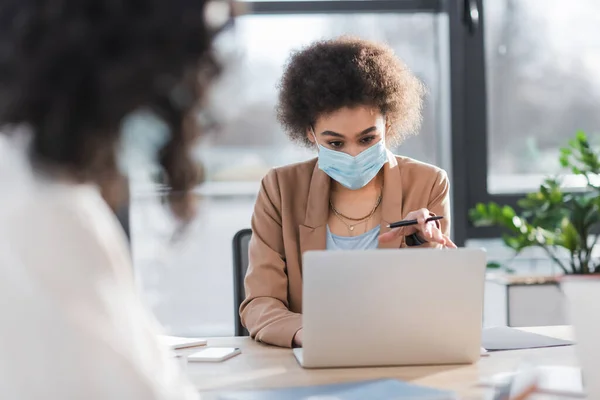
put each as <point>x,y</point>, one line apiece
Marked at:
<point>71,71</point>
<point>350,99</point>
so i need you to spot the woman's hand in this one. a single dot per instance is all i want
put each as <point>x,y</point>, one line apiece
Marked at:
<point>298,338</point>
<point>428,231</point>
<point>528,393</point>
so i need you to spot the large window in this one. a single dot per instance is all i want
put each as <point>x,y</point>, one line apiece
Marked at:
<point>189,284</point>
<point>251,141</point>
<point>508,81</point>
<point>543,84</point>
<point>525,79</point>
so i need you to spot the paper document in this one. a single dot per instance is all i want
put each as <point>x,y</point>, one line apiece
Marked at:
<point>181,343</point>
<point>505,338</point>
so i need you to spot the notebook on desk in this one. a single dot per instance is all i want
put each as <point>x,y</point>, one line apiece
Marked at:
<point>383,389</point>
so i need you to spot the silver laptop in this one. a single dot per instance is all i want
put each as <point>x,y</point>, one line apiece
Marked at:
<point>392,307</point>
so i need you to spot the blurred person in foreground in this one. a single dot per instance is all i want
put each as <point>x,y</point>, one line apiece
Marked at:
<point>71,71</point>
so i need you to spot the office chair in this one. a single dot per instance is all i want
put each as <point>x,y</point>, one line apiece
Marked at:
<point>240,266</point>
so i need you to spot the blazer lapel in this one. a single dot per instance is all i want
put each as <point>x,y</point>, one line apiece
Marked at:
<point>391,204</point>
<point>313,233</point>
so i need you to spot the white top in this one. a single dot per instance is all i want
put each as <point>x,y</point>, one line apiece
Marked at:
<point>72,326</point>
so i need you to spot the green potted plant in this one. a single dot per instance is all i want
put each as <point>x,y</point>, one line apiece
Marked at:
<point>563,224</point>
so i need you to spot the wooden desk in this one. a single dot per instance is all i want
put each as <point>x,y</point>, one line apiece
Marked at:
<point>260,367</point>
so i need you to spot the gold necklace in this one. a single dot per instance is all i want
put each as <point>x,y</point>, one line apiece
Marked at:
<point>348,226</point>
<point>358,221</point>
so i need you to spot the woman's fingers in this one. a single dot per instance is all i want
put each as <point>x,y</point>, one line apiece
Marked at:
<point>440,238</point>
<point>298,338</point>
<point>396,233</point>
<point>389,236</point>
<point>437,236</point>
<point>421,217</point>
<point>427,231</point>
<point>449,243</point>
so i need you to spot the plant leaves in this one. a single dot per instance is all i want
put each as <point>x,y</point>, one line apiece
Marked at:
<point>494,265</point>
<point>569,237</point>
<point>549,217</point>
<point>508,212</point>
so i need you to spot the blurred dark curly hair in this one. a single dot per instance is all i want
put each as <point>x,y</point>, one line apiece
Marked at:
<point>71,70</point>
<point>348,72</point>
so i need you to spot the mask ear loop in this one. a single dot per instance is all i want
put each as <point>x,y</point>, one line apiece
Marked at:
<point>315,136</point>
<point>385,132</point>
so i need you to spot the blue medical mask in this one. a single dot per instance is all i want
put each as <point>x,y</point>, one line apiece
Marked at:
<point>352,172</point>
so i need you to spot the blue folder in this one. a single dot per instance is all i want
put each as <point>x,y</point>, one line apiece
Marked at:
<point>383,389</point>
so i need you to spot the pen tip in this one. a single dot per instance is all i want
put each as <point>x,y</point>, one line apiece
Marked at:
<point>389,226</point>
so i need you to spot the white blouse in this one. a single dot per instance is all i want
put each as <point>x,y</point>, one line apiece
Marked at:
<point>72,325</point>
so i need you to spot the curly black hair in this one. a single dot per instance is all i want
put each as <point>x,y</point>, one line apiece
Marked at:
<point>348,72</point>
<point>71,70</point>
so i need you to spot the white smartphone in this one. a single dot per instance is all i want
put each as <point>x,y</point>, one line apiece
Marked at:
<point>214,354</point>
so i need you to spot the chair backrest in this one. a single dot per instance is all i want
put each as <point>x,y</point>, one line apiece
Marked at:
<point>240,266</point>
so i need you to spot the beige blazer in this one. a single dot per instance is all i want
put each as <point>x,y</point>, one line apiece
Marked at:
<point>290,217</point>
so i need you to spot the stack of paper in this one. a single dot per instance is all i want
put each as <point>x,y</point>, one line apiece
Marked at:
<point>181,343</point>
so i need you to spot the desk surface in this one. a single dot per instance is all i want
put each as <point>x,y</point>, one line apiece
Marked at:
<point>260,367</point>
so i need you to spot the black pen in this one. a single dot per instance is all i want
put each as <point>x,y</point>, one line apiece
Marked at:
<point>409,222</point>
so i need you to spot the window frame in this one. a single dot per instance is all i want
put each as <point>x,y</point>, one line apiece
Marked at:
<point>342,6</point>
<point>470,124</point>
<point>476,132</point>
